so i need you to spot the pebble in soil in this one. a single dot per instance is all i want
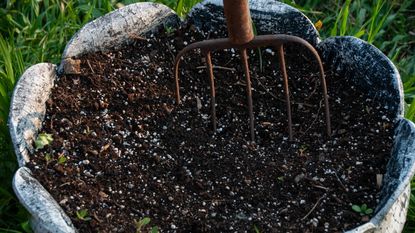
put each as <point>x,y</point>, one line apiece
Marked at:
<point>132,153</point>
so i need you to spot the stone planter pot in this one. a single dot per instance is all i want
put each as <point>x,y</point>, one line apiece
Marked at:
<point>370,71</point>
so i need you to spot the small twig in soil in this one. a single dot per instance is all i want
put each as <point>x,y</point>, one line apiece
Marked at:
<point>275,97</point>
<point>338,200</point>
<point>64,184</point>
<point>96,217</point>
<point>315,205</point>
<point>315,119</point>
<point>171,53</point>
<point>320,187</point>
<point>90,67</point>
<point>51,121</point>
<point>314,90</point>
<point>316,184</point>
<point>266,90</point>
<point>341,183</point>
<point>227,63</point>
<point>217,67</point>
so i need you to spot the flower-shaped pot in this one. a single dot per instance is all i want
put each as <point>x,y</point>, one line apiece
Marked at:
<point>366,67</point>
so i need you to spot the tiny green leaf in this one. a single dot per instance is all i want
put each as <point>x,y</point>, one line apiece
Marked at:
<point>363,207</point>
<point>356,208</point>
<point>144,221</point>
<point>155,229</point>
<point>48,158</point>
<point>83,215</point>
<point>369,211</point>
<point>42,140</point>
<point>62,159</point>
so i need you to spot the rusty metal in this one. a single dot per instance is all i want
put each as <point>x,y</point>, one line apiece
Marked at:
<point>241,37</point>
<point>238,21</point>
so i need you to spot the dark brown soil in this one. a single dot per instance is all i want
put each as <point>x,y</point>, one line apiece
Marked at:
<point>132,153</point>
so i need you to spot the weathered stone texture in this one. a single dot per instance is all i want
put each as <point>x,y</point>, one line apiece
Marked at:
<point>27,108</point>
<point>47,215</point>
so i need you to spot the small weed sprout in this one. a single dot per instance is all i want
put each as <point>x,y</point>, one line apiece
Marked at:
<point>363,210</point>
<point>154,229</point>
<point>48,158</point>
<point>62,159</point>
<point>142,223</point>
<point>42,140</point>
<point>302,150</point>
<point>83,215</point>
<point>169,30</point>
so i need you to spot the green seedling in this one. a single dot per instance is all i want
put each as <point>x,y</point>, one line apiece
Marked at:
<point>42,140</point>
<point>83,215</point>
<point>141,223</point>
<point>363,210</point>
<point>169,30</point>
<point>302,150</point>
<point>48,158</point>
<point>62,159</point>
<point>154,229</point>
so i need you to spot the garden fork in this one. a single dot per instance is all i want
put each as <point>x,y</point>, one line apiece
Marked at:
<point>241,37</point>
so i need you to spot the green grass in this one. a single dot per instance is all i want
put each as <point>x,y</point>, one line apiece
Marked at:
<point>33,31</point>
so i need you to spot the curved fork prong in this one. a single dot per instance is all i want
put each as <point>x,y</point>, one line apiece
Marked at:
<point>206,45</point>
<point>258,41</point>
<point>177,64</point>
<point>324,87</point>
<point>281,59</point>
<point>322,77</point>
<point>244,57</point>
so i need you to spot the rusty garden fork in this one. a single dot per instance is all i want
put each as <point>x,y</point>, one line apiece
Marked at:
<point>241,37</point>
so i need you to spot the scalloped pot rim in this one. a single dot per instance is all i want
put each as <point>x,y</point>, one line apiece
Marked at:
<point>27,112</point>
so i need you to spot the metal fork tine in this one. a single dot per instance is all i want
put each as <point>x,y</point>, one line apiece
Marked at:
<point>281,59</point>
<point>212,88</point>
<point>248,91</point>
<point>326,101</point>
<point>277,41</point>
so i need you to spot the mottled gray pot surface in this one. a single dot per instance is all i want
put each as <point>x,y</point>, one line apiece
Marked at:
<point>27,108</point>
<point>374,74</point>
<point>119,28</point>
<point>366,67</point>
<point>47,215</point>
<point>25,120</point>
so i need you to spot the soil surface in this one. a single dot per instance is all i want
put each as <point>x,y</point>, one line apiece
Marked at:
<point>132,153</point>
